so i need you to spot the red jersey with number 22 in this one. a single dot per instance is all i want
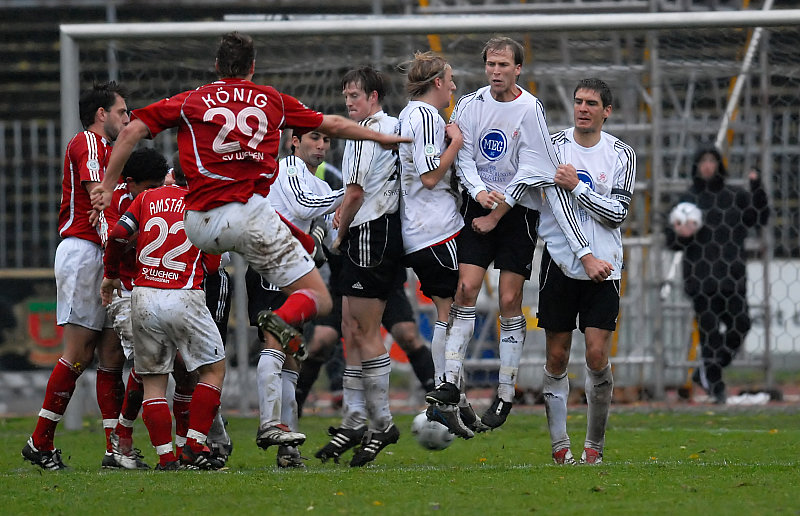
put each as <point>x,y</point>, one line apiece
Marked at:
<point>228,137</point>
<point>166,257</point>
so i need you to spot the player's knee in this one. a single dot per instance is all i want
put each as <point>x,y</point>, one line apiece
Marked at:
<point>510,304</point>
<point>467,293</point>
<point>405,334</point>
<point>596,359</point>
<point>324,302</point>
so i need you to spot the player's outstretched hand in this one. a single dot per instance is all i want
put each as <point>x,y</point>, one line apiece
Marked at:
<point>101,198</point>
<point>597,270</point>
<point>107,288</point>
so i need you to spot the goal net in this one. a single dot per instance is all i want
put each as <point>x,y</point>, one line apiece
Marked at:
<point>672,77</point>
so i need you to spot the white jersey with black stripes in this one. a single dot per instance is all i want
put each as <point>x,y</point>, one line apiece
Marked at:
<point>300,196</point>
<point>607,173</point>
<point>375,169</point>
<point>428,216</point>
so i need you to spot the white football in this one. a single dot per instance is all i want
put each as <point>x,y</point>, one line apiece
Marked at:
<point>686,212</point>
<point>430,434</point>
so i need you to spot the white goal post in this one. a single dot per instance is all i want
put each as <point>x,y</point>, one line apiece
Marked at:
<point>72,34</point>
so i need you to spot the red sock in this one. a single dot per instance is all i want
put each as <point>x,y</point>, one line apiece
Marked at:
<point>157,419</point>
<point>205,403</point>
<point>298,308</point>
<point>180,407</point>
<point>131,404</point>
<point>60,387</point>
<point>110,392</point>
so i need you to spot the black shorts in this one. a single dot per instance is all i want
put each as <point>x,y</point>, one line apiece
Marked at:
<point>398,308</point>
<point>260,296</point>
<point>218,299</point>
<point>509,245</point>
<point>437,269</point>
<point>563,299</point>
<point>372,265</point>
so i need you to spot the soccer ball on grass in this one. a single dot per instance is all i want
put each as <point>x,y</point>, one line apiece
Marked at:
<point>430,434</point>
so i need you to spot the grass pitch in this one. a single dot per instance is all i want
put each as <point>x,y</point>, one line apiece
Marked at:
<point>689,461</point>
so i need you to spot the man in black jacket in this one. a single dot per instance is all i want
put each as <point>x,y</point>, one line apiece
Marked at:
<point>714,268</point>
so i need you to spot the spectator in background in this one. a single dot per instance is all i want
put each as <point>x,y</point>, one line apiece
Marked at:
<point>714,268</point>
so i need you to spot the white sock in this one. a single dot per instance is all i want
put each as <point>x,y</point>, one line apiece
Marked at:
<point>268,376</point>
<point>217,433</point>
<point>459,333</point>
<point>512,338</point>
<point>437,350</point>
<point>353,401</point>
<point>376,390</point>
<point>288,400</point>
<point>599,387</point>
<point>556,392</point>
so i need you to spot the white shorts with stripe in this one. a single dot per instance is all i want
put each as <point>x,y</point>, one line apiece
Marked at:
<point>79,273</point>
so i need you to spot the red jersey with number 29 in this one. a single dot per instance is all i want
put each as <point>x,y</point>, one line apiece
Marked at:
<point>165,256</point>
<point>228,137</point>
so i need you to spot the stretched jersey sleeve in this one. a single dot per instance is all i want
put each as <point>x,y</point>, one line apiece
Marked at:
<point>611,211</point>
<point>298,116</point>
<point>299,198</point>
<point>538,161</point>
<point>466,169</point>
<point>161,115</point>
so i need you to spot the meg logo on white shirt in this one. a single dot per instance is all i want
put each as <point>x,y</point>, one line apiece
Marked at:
<point>493,144</point>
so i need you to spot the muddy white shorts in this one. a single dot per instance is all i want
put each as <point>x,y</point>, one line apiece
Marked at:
<point>255,231</point>
<point>119,310</point>
<point>166,321</point>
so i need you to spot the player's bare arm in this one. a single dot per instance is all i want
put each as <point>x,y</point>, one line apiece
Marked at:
<point>456,140</point>
<point>341,127</point>
<point>566,177</point>
<point>126,142</point>
<point>597,270</point>
<point>489,200</point>
<point>353,199</point>
<point>107,289</point>
<point>487,223</point>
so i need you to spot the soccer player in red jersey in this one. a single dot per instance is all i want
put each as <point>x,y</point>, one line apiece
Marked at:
<point>79,271</point>
<point>169,314</point>
<point>228,137</point>
<point>145,169</point>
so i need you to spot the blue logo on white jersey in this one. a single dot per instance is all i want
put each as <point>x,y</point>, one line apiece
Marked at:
<point>493,145</point>
<point>584,176</point>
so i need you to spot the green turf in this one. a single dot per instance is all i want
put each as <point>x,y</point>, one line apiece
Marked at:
<point>656,462</point>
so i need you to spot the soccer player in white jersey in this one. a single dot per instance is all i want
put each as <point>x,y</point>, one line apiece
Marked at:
<point>599,172</point>
<point>369,239</point>
<point>429,213</point>
<point>228,136</point>
<point>494,120</point>
<point>300,197</point>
